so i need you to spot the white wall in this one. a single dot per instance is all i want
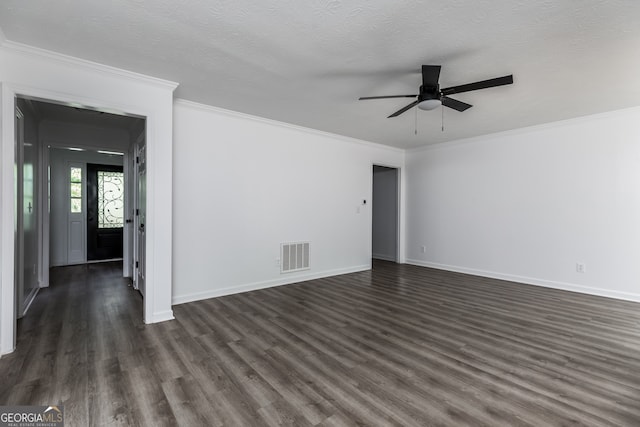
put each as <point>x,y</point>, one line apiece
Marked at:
<point>385,213</point>
<point>59,160</point>
<point>42,74</point>
<point>244,185</point>
<point>527,205</point>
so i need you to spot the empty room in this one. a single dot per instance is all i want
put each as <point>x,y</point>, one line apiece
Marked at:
<point>320,213</point>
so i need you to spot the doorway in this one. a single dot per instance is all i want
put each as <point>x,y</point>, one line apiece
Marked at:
<point>385,208</point>
<point>73,199</point>
<point>108,91</point>
<point>70,191</point>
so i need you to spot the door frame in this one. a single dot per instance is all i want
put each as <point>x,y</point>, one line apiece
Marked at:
<point>400,226</point>
<point>156,308</point>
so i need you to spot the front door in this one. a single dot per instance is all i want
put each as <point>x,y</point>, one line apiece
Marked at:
<point>105,212</point>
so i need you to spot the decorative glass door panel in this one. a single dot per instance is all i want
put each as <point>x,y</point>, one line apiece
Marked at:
<point>105,212</point>
<point>110,199</point>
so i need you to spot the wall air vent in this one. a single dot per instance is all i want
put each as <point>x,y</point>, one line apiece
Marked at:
<point>294,257</point>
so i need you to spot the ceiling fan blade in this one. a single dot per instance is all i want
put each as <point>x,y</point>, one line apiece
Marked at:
<point>388,96</point>
<point>484,84</point>
<point>403,109</point>
<point>430,75</point>
<point>455,104</point>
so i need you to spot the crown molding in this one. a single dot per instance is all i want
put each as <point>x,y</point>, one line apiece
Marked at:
<point>86,64</point>
<point>239,115</point>
<point>527,129</point>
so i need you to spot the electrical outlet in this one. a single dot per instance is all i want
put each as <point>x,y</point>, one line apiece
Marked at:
<point>423,249</point>
<point>580,267</point>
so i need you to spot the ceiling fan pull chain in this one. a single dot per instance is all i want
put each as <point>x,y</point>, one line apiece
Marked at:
<point>416,122</point>
<point>442,118</point>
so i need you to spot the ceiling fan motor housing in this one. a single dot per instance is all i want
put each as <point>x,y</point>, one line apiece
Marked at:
<point>429,93</point>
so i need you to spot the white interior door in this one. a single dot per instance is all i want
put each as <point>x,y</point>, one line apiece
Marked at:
<point>29,220</point>
<point>19,217</point>
<point>26,249</point>
<point>129,258</point>
<point>141,212</point>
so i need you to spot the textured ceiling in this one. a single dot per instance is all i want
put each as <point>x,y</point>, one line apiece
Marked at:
<point>307,62</point>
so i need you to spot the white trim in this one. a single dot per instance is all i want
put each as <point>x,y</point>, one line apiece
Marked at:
<point>32,297</point>
<point>523,130</point>
<point>83,63</point>
<point>238,115</point>
<point>161,316</point>
<point>89,103</point>
<point>383,257</point>
<point>214,293</point>
<point>87,262</point>
<point>531,281</point>
<point>98,261</point>
<point>7,238</point>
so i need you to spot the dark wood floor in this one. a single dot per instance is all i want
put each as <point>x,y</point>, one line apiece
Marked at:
<point>399,345</point>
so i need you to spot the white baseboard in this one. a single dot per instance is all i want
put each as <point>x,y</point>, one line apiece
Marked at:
<point>384,257</point>
<point>627,296</point>
<point>213,293</point>
<point>32,298</point>
<point>5,351</point>
<point>162,316</point>
<point>98,261</point>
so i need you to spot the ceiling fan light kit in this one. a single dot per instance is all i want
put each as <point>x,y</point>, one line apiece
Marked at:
<point>429,104</point>
<point>431,96</point>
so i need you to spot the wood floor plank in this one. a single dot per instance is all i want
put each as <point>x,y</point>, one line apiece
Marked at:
<point>548,377</point>
<point>395,346</point>
<point>189,404</point>
<point>144,393</point>
<point>107,402</point>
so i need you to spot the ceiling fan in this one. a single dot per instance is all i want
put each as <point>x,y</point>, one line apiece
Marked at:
<point>431,96</point>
